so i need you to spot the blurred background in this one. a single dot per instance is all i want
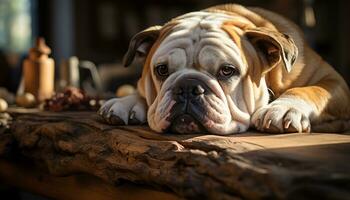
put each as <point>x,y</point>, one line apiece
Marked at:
<point>99,31</point>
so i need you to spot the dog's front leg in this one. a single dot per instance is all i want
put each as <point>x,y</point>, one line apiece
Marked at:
<point>286,114</point>
<point>297,108</point>
<point>131,109</point>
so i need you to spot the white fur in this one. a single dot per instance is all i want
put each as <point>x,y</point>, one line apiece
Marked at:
<point>285,113</point>
<point>126,108</point>
<point>198,39</point>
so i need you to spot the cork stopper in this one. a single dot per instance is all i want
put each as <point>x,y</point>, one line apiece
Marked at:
<point>40,48</point>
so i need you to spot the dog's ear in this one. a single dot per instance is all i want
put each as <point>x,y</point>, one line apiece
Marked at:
<point>141,43</point>
<point>275,46</point>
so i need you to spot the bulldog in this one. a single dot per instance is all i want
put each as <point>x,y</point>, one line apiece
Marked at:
<point>227,68</point>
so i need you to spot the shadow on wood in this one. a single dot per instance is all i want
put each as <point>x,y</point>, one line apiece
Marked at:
<point>73,187</point>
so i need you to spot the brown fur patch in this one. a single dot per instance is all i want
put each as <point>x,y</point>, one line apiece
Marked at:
<point>146,72</point>
<point>311,78</point>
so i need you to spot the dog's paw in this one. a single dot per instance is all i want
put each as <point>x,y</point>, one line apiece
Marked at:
<point>280,119</point>
<point>131,109</point>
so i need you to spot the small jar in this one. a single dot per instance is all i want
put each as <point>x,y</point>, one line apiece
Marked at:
<point>39,71</point>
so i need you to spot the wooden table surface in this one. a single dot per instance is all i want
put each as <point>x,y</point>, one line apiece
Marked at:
<point>113,159</point>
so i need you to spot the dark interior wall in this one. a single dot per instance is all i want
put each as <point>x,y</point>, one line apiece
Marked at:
<point>330,36</point>
<point>101,29</point>
<point>55,22</point>
<point>342,58</point>
<point>105,27</point>
<point>44,20</point>
<point>130,17</point>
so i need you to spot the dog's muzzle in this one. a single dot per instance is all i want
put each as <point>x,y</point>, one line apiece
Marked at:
<point>187,114</point>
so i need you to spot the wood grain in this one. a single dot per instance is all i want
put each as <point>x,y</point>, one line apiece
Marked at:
<point>244,166</point>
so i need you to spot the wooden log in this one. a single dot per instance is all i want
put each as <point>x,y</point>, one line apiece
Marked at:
<point>243,166</point>
<point>80,186</point>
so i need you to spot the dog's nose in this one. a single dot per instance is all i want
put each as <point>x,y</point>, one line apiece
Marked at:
<point>189,88</point>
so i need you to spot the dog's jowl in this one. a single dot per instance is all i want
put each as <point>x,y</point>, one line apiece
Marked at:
<point>211,71</point>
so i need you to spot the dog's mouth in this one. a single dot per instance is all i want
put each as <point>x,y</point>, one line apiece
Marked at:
<point>195,108</point>
<point>186,124</point>
<point>186,118</point>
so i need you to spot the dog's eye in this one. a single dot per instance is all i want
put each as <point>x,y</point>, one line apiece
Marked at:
<point>227,70</point>
<point>162,70</point>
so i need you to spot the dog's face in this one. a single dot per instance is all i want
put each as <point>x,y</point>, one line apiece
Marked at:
<point>205,71</point>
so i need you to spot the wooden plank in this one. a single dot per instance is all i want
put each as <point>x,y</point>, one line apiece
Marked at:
<point>243,166</point>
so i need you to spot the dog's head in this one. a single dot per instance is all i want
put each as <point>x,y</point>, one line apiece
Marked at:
<point>204,71</point>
